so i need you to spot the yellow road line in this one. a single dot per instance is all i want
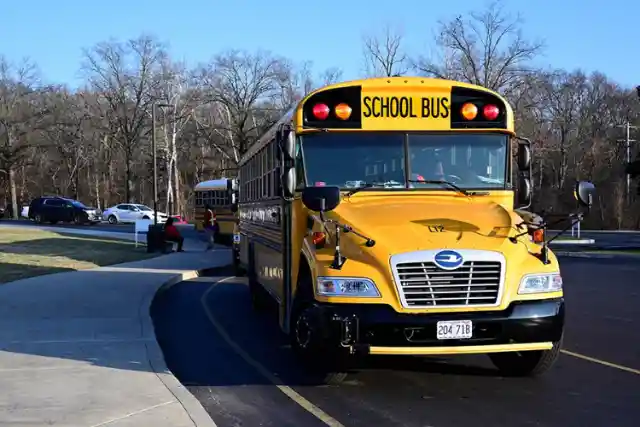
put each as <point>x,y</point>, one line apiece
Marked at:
<point>291,393</point>
<point>601,362</point>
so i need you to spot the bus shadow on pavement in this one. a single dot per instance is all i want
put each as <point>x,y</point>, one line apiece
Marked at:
<point>204,353</point>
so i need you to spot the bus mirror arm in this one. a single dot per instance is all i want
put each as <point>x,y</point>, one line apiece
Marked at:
<point>369,242</point>
<point>338,259</point>
<point>574,218</point>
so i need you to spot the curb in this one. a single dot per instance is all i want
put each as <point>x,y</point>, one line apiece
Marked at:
<point>190,404</point>
<point>596,255</point>
<point>567,242</point>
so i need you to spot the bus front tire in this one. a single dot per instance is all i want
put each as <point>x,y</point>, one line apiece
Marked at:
<point>526,363</point>
<point>329,364</point>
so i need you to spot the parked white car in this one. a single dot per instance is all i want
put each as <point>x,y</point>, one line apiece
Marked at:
<point>130,212</point>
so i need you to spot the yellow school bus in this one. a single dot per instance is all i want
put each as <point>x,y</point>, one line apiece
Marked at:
<point>217,193</point>
<point>389,216</point>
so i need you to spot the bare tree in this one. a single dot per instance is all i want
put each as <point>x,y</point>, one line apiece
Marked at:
<point>124,75</point>
<point>384,54</point>
<point>485,48</point>
<point>178,90</point>
<point>22,112</point>
<point>237,82</point>
<point>66,136</point>
<point>330,76</point>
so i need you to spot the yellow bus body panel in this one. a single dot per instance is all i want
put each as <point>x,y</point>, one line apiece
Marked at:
<point>399,222</point>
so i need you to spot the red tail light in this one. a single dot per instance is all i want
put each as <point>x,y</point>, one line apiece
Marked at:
<point>321,111</point>
<point>490,112</point>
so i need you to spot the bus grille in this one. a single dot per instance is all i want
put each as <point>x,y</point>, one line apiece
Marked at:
<point>475,283</point>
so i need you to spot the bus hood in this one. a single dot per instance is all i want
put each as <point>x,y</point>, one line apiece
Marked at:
<point>429,223</point>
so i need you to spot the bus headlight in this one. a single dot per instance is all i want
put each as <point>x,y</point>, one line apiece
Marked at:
<point>540,283</point>
<point>346,287</point>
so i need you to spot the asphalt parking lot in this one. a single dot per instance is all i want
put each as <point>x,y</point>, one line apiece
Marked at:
<point>239,366</point>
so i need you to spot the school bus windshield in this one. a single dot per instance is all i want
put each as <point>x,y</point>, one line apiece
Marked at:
<point>377,159</point>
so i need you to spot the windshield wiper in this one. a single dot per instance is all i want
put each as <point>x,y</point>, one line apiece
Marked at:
<point>441,182</point>
<point>364,187</point>
<point>315,128</point>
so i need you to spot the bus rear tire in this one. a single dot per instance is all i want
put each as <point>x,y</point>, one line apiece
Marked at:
<point>526,363</point>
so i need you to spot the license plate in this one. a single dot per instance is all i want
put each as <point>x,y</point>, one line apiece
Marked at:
<point>454,329</point>
<point>236,238</point>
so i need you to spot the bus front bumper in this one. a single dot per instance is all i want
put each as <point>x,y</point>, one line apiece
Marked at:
<point>378,329</point>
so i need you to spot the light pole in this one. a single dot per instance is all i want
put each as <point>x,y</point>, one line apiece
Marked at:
<point>154,149</point>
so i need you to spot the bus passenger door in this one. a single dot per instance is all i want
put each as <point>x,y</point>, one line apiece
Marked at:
<point>287,149</point>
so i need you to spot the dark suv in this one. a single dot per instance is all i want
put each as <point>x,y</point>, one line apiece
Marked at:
<point>55,209</point>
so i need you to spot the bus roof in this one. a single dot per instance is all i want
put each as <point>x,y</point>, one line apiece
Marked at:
<point>420,103</point>
<point>212,184</point>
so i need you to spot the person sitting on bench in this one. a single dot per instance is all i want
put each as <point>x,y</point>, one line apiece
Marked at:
<point>171,234</point>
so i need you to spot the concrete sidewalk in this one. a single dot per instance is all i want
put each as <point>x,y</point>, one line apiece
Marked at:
<point>192,239</point>
<point>79,349</point>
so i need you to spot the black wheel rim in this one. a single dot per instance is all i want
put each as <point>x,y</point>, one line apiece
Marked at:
<point>303,331</point>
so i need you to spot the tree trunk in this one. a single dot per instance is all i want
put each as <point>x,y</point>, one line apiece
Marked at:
<point>176,188</point>
<point>14,195</point>
<point>128,179</point>
<point>96,183</point>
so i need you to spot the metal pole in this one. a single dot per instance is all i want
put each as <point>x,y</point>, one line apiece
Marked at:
<point>155,163</point>
<point>628,144</point>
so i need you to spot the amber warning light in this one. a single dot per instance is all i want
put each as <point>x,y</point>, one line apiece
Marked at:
<point>470,111</point>
<point>342,111</point>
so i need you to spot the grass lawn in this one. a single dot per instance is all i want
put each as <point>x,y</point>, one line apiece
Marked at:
<point>27,252</point>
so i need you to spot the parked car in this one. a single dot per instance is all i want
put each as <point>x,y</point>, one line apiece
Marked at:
<point>130,212</point>
<point>56,209</point>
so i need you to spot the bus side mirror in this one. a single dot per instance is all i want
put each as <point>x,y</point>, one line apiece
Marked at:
<point>524,192</point>
<point>321,199</point>
<point>584,193</point>
<point>524,157</point>
<point>287,144</point>
<point>234,201</point>
<point>288,180</point>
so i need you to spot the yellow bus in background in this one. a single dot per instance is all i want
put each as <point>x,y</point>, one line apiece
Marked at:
<point>386,217</point>
<point>217,193</point>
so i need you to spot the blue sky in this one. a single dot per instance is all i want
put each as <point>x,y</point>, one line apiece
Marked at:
<point>587,34</point>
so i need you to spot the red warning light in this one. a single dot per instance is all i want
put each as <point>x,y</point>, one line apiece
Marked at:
<point>320,111</point>
<point>490,112</point>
